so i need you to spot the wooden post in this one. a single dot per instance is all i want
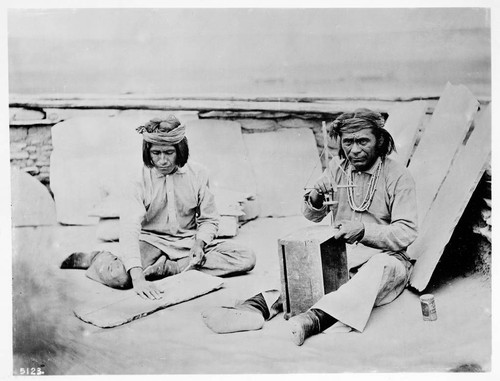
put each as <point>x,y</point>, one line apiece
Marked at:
<point>312,264</point>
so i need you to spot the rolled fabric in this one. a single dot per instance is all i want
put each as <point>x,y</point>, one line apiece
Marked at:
<point>163,131</point>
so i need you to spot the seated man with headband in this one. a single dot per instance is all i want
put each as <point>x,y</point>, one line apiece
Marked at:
<point>377,219</point>
<point>168,221</point>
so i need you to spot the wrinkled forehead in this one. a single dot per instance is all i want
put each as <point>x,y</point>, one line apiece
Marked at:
<point>365,132</point>
<point>162,147</point>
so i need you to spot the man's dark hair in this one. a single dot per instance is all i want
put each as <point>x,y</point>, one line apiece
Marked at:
<point>363,118</point>
<point>181,149</point>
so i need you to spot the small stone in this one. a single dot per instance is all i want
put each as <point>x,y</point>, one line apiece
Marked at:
<point>42,162</point>
<point>35,141</point>
<point>31,170</point>
<point>22,155</point>
<point>53,116</point>
<point>18,134</point>
<point>17,146</point>
<point>31,149</point>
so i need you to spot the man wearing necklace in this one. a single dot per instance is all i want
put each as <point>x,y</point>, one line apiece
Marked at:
<point>377,218</point>
<point>375,215</point>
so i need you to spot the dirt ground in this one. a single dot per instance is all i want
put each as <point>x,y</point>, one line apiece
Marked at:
<point>175,340</point>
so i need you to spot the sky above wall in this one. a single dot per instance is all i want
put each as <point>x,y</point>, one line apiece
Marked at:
<point>315,52</point>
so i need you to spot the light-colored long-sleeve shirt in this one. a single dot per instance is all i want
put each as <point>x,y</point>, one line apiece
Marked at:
<point>391,220</point>
<point>146,216</point>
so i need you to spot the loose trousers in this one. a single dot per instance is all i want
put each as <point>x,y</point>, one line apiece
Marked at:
<point>377,278</point>
<point>378,281</point>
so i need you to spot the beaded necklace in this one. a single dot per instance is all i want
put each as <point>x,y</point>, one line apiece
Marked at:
<point>372,187</point>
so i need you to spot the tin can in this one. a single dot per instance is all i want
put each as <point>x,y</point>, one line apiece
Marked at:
<point>428,307</point>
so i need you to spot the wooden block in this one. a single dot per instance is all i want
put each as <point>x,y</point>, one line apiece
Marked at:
<point>438,146</point>
<point>404,123</point>
<point>284,162</point>
<point>114,308</point>
<point>450,202</point>
<point>312,263</point>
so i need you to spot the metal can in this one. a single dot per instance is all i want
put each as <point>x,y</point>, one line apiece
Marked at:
<point>428,307</point>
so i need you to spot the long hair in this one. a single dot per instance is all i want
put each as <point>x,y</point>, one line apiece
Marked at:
<point>363,118</point>
<point>181,149</point>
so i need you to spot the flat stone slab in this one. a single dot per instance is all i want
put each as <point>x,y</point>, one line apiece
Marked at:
<point>32,204</point>
<point>284,162</point>
<point>115,308</point>
<point>219,146</point>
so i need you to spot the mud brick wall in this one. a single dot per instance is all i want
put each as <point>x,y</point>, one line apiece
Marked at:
<point>31,147</point>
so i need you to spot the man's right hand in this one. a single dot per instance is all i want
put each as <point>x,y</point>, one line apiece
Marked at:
<point>321,187</point>
<point>143,288</point>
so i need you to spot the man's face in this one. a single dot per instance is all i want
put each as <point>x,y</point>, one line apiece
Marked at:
<point>164,158</point>
<point>360,148</point>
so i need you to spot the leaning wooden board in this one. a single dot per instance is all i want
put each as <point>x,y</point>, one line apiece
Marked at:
<point>112,309</point>
<point>404,123</point>
<point>438,146</point>
<point>454,194</point>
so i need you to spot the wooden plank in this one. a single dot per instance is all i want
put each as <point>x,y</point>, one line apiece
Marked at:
<point>283,162</point>
<point>443,136</point>
<point>326,106</point>
<point>278,97</point>
<point>107,310</point>
<point>453,196</point>
<point>312,263</point>
<point>404,123</point>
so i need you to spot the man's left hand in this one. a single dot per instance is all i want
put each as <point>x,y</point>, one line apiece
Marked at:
<point>197,253</point>
<point>350,231</point>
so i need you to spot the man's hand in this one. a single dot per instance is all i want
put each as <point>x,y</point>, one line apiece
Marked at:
<point>197,253</point>
<point>350,231</point>
<point>321,187</point>
<point>142,287</point>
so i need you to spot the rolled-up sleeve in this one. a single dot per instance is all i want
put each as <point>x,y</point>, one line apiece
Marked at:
<point>132,215</point>
<point>208,216</point>
<point>403,227</point>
